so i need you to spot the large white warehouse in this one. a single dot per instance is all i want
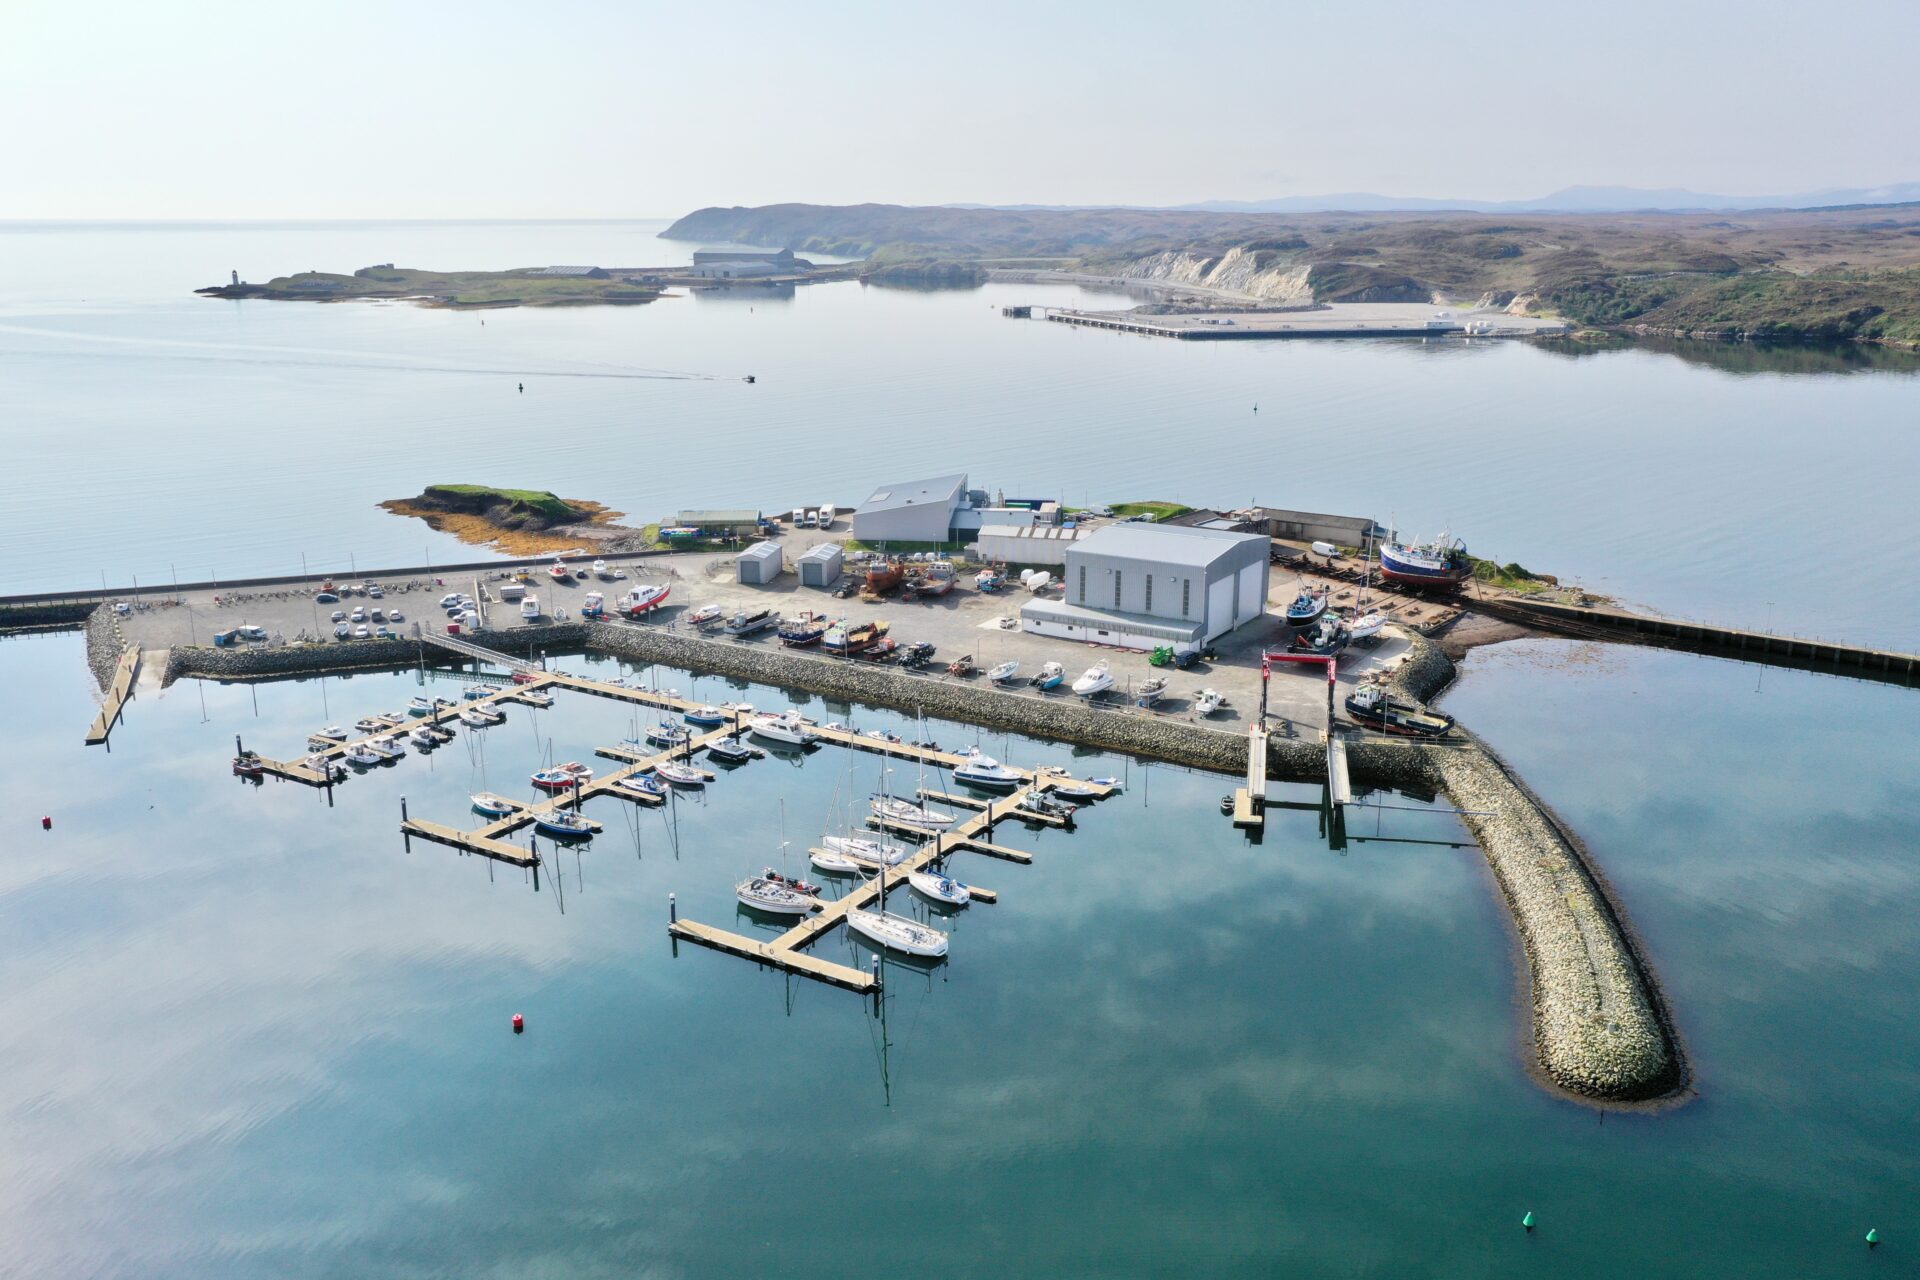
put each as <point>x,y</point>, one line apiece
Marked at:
<point>1141,586</point>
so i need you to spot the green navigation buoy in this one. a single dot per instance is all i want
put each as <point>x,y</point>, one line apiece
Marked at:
<point>1527,1221</point>
<point>1873,1236</point>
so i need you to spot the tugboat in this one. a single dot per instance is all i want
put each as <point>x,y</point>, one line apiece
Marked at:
<point>1442,562</point>
<point>883,576</point>
<point>1371,706</point>
<point>808,628</point>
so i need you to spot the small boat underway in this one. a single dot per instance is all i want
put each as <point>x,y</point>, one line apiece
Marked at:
<point>1097,680</point>
<point>1371,706</point>
<point>1003,672</point>
<point>1209,701</point>
<point>978,770</point>
<point>762,894</point>
<point>1051,676</point>
<point>493,806</point>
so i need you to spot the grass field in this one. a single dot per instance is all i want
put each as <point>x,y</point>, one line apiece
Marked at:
<point>1158,510</point>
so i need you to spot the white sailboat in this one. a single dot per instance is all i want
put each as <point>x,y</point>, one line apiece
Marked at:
<point>894,932</point>
<point>940,887</point>
<point>775,894</point>
<point>1003,672</point>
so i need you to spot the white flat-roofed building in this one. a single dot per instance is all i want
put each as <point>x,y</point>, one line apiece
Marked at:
<point>1142,585</point>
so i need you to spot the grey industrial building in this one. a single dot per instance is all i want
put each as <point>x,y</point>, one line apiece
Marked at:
<point>820,566</point>
<point>943,509</point>
<point>723,521</point>
<point>1140,586</point>
<point>1313,526</point>
<point>1026,544</point>
<point>761,563</point>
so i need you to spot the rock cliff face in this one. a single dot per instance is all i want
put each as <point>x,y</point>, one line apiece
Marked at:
<point>1267,276</point>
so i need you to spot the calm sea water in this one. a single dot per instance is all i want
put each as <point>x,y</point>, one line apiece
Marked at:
<point>248,1035</point>
<point>169,434</point>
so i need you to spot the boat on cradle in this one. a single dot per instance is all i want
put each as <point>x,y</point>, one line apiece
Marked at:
<point>530,608</point>
<point>493,806</point>
<point>907,813</point>
<point>536,698</point>
<point>360,755</point>
<point>710,717</point>
<point>795,883</point>
<point>641,784</point>
<point>962,666</point>
<point>1003,672</point>
<point>1306,609</point>
<point>1366,627</point>
<point>1047,806</point>
<point>601,569</point>
<point>644,598</point>
<point>1328,637</point>
<point>706,615</point>
<point>807,629</point>
<point>729,751</point>
<point>680,775</point>
<point>1442,562</point>
<point>751,622</point>
<point>1096,681</point>
<point>332,733</point>
<point>941,888</point>
<point>979,770</point>
<point>1370,705</point>
<point>562,777</point>
<point>758,893</point>
<point>420,707</point>
<point>843,639</point>
<point>559,572</point>
<point>249,765</point>
<point>932,580</point>
<point>1051,676</point>
<point>481,717</point>
<point>564,824</point>
<point>593,604</point>
<point>883,576</point>
<point>852,853</point>
<point>1151,692</point>
<point>783,726</point>
<point>388,748</point>
<point>1208,702</point>
<point>669,734</point>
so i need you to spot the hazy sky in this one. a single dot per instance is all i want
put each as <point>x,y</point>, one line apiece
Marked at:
<point>335,108</point>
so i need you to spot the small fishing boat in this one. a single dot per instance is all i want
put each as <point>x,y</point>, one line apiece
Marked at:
<point>940,888</point>
<point>761,894</point>
<point>978,770</point>
<point>641,784</point>
<point>1370,705</point>
<point>669,734</point>
<point>1003,672</point>
<point>1366,627</point>
<point>795,883</point>
<point>420,707</point>
<point>601,569</point>
<point>1047,806</point>
<point>1306,609</point>
<point>845,640</point>
<point>562,777</point>
<point>907,813</point>
<point>962,666</point>
<point>897,933</point>
<point>644,598</point>
<point>332,733</point>
<point>331,770</point>
<point>423,739</point>
<point>593,604</point>
<point>536,698</point>
<point>705,615</point>
<point>359,754</point>
<point>480,717</point>
<point>530,608</point>
<point>374,724</point>
<point>730,751</point>
<point>493,806</point>
<point>807,629</point>
<point>862,851</point>
<point>249,765</point>
<point>473,693</point>
<point>751,622</point>
<point>680,775</point>
<point>559,572</point>
<point>1327,637</point>
<point>784,726</point>
<point>564,824</point>
<point>389,748</point>
<point>1208,702</point>
<point>1442,562</point>
<point>1151,692</point>
<point>1051,676</point>
<point>709,716</point>
<point>1097,679</point>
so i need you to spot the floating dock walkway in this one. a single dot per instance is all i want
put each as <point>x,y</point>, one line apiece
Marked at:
<point>118,691</point>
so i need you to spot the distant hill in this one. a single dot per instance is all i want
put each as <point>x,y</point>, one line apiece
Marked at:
<point>1575,200</point>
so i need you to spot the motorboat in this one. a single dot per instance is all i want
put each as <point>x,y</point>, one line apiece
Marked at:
<point>1003,672</point>
<point>374,724</point>
<point>480,717</point>
<point>422,739</point>
<point>530,608</point>
<point>1065,786</point>
<point>644,597</point>
<point>474,692</point>
<point>907,813</point>
<point>1366,627</point>
<point>601,569</point>
<point>795,883</point>
<point>1442,562</point>
<point>705,615</point>
<point>941,888</point>
<point>807,629</point>
<point>420,707</point>
<point>1051,676</point>
<point>386,748</point>
<point>978,770</point>
<point>1096,681</point>
<point>438,732</point>
<point>559,572</point>
<point>751,622</point>
<point>730,751</point>
<point>669,734</point>
<point>1370,705</point>
<point>761,894</point>
<point>680,775</point>
<point>1151,692</point>
<point>562,777</point>
<point>1045,805</point>
<point>783,726</point>
<point>897,933</point>
<point>332,733</point>
<point>1208,702</point>
<point>1328,637</point>
<point>493,806</point>
<point>861,851</point>
<point>360,754</point>
<point>593,604</point>
<point>642,785</point>
<point>709,716</point>
<point>331,770</point>
<point>249,765</point>
<point>536,698</point>
<point>444,704</point>
<point>1306,609</point>
<point>564,824</point>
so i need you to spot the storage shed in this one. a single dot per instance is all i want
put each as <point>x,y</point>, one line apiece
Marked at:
<point>1131,583</point>
<point>761,563</point>
<point>820,567</point>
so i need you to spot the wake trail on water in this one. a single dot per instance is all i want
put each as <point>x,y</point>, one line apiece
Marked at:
<point>330,359</point>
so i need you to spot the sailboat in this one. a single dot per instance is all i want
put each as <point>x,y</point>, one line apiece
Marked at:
<point>940,887</point>
<point>775,896</point>
<point>565,824</point>
<point>894,932</point>
<point>1003,672</point>
<point>493,806</point>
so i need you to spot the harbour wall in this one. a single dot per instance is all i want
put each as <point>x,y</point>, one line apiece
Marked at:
<point>1600,1026</point>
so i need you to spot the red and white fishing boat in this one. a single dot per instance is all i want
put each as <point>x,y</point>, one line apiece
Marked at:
<point>646,596</point>
<point>706,615</point>
<point>562,777</point>
<point>558,571</point>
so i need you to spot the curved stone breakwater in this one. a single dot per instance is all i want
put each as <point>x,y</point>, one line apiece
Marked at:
<point>1600,1027</point>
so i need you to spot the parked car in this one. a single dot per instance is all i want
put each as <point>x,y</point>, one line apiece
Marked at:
<point>359,614</point>
<point>451,599</point>
<point>379,615</point>
<point>339,615</point>
<point>361,633</point>
<point>327,597</point>
<point>396,616</point>
<point>373,589</point>
<point>343,632</point>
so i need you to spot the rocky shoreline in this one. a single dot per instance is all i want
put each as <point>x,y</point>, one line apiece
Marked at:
<point>1600,1026</point>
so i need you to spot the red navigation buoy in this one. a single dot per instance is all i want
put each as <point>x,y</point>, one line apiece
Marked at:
<point>519,1024</point>
<point>46,823</point>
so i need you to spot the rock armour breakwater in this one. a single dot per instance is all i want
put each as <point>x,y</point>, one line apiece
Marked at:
<point>1600,1027</point>
<point>104,644</point>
